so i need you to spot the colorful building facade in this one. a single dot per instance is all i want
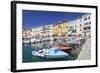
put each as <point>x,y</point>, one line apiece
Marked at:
<point>86,24</point>
<point>79,26</point>
<point>61,29</point>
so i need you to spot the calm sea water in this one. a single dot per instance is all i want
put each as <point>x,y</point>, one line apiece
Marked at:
<point>28,57</point>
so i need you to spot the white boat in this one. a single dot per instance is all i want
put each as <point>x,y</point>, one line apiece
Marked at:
<point>55,53</point>
<point>26,41</point>
<point>40,53</point>
<point>33,40</point>
<point>52,53</point>
<point>73,41</point>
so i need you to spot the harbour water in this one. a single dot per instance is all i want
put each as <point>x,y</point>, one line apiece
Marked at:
<point>28,57</point>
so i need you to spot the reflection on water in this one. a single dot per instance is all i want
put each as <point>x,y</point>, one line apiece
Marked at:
<point>28,48</point>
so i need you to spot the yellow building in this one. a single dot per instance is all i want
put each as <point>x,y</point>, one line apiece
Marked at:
<point>63,28</point>
<point>55,30</point>
<point>60,29</point>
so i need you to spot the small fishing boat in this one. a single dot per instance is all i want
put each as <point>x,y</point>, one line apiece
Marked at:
<point>55,53</point>
<point>50,53</point>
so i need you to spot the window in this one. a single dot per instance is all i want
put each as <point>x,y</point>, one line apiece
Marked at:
<point>70,27</point>
<point>88,17</point>
<point>85,28</point>
<point>74,30</point>
<point>85,18</point>
<point>80,24</point>
<point>89,27</point>
<point>87,23</point>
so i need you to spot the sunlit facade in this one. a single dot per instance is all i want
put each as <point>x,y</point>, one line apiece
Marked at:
<point>64,29</point>
<point>36,32</point>
<point>26,33</point>
<point>86,25</point>
<point>55,30</point>
<point>61,29</point>
<point>79,26</point>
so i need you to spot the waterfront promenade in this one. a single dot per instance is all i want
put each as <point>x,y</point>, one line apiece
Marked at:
<point>85,53</point>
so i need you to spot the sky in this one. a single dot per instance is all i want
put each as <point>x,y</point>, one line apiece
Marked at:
<point>32,18</point>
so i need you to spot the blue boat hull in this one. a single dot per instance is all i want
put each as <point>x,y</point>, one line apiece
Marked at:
<point>55,53</point>
<point>55,56</point>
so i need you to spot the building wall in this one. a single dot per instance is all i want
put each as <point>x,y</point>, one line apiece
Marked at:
<point>46,31</point>
<point>55,29</point>
<point>86,24</point>
<point>42,32</point>
<point>72,26</point>
<point>63,28</point>
<point>60,29</point>
<point>36,32</point>
<point>26,33</point>
<point>80,25</point>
